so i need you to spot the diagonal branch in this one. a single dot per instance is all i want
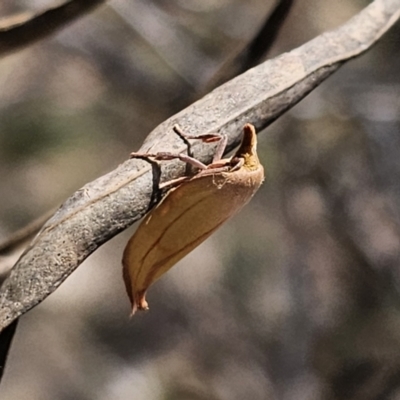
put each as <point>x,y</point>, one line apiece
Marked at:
<point>21,236</point>
<point>106,206</point>
<point>29,29</point>
<point>255,51</point>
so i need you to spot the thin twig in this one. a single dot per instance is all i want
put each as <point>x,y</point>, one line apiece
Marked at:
<point>25,233</point>
<point>15,34</point>
<point>252,53</point>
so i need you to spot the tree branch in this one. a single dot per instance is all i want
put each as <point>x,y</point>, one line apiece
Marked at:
<point>108,205</point>
<point>253,53</point>
<point>17,238</point>
<point>29,29</point>
<point>7,336</point>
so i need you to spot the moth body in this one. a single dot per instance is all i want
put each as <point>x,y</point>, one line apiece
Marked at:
<point>188,215</point>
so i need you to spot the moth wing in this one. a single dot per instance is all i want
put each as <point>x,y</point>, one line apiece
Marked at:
<point>186,216</point>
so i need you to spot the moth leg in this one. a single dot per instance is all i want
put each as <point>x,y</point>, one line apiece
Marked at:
<point>237,163</point>
<point>206,138</point>
<point>164,156</point>
<point>177,129</point>
<point>156,172</point>
<point>160,188</point>
<point>172,183</point>
<point>183,157</point>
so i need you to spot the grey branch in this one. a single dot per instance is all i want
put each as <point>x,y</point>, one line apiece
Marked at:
<point>254,52</point>
<point>111,203</point>
<point>20,31</point>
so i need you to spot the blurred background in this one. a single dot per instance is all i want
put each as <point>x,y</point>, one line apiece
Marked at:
<point>295,298</point>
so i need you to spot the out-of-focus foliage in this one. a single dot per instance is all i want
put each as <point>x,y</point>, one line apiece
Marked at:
<point>296,298</point>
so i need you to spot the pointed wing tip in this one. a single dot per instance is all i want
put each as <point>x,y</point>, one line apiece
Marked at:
<point>140,304</point>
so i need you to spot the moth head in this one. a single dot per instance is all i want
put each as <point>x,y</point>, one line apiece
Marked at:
<point>248,147</point>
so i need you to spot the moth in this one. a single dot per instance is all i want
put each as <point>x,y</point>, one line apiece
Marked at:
<point>190,212</point>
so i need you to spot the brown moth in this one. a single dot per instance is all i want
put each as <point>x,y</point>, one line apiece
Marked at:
<point>189,213</point>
